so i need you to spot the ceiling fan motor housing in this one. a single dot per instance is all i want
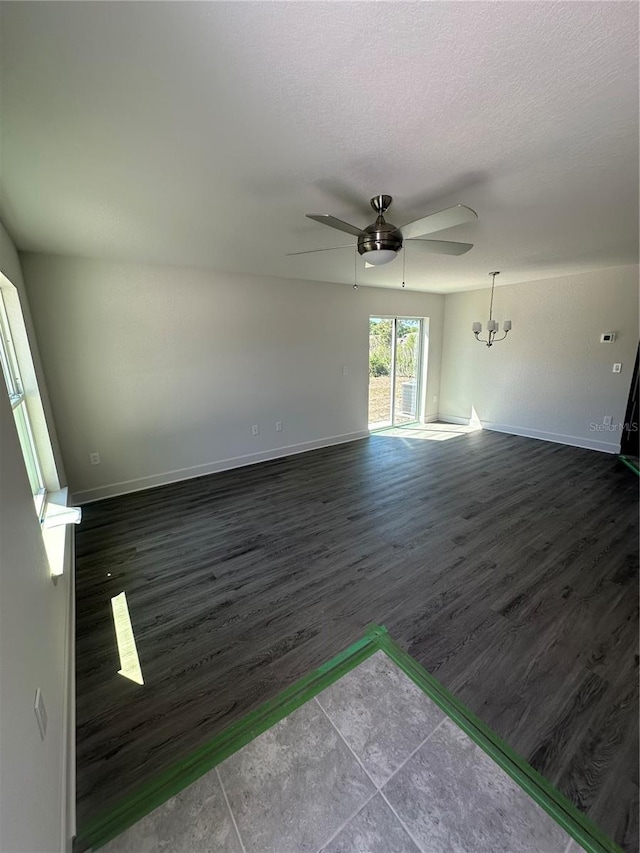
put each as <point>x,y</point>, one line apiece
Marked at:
<point>379,237</point>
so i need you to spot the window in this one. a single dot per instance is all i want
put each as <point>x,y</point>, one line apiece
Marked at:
<point>18,399</point>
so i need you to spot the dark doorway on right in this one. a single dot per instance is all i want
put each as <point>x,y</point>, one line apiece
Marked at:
<point>630,436</point>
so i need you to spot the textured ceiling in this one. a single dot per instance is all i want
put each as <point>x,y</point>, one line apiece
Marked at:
<point>201,133</point>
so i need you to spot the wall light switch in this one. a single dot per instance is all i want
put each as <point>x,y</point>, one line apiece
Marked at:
<point>345,370</point>
<point>278,426</point>
<point>94,458</point>
<point>617,368</point>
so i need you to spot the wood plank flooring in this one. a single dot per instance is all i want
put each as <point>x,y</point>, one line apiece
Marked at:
<point>508,567</point>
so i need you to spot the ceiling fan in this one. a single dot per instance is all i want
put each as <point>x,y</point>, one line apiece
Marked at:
<point>381,241</point>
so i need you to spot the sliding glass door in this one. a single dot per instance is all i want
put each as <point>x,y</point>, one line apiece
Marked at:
<point>395,355</point>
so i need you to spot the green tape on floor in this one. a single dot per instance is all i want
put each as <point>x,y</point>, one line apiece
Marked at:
<point>151,795</point>
<point>630,463</point>
<point>175,779</point>
<point>574,822</point>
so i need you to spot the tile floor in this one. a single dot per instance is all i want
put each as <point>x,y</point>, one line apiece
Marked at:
<point>371,765</point>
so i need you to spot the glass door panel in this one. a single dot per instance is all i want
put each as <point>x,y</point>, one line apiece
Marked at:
<point>407,363</point>
<point>381,346</point>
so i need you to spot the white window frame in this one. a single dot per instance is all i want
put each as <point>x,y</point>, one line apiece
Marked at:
<point>18,398</point>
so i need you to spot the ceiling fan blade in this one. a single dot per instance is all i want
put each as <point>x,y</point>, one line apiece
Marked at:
<point>327,249</point>
<point>443,247</point>
<point>332,222</point>
<point>457,215</point>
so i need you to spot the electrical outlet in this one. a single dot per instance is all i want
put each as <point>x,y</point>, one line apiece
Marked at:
<point>616,368</point>
<point>278,426</point>
<point>607,420</point>
<point>94,458</point>
<point>255,430</point>
<point>41,713</point>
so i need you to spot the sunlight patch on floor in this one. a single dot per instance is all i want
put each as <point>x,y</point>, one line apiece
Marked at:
<point>430,432</point>
<point>129,661</point>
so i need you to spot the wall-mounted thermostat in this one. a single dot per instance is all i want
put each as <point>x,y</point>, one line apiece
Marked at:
<point>607,337</point>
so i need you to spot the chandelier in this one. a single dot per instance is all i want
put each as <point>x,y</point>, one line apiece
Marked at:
<point>492,326</point>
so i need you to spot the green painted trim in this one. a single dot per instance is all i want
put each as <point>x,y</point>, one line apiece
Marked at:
<point>153,794</point>
<point>175,779</point>
<point>626,461</point>
<point>574,822</point>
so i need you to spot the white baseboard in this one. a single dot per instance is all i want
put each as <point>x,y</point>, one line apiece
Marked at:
<point>453,419</point>
<point>542,435</point>
<point>557,438</point>
<point>125,487</point>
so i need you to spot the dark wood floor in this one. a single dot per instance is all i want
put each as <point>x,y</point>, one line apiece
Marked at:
<point>508,567</point>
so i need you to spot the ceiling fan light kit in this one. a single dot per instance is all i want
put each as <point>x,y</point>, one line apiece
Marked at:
<point>493,327</point>
<point>377,257</point>
<point>380,242</point>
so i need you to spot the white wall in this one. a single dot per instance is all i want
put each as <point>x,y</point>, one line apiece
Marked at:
<point>163,371</point>
<point>34,626</point>
<point>551,378</point>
